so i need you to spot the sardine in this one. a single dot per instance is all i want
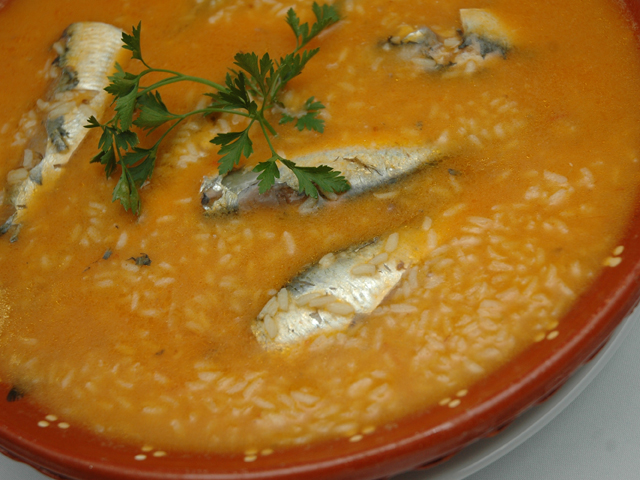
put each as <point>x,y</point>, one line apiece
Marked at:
<point>482,33</point>
<point>334,293</point>
<point>484,28</point>
<point>365,169</point>
<point>88,54</point>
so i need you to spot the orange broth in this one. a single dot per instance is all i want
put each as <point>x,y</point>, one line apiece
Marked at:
<point>525,209</point>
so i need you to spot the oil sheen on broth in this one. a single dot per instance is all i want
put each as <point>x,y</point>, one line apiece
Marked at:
<point>525,207</point>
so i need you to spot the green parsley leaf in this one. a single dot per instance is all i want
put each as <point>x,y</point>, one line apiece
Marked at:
<point>294,23</point>
<point>286,118</point>
<point>312,105</point>
<point>153,112</point>
<point>327,179</point>
<point>93,122</point>
<point>326,15</point>
<point>126,192</point>
<point>308,120</point>
<point>234,146</point>
<point>143,170</point>
<point>137,166</point>
<point>125,139</point>
<point>122,83</point>
<point>107,155</point>
<point>235,96</point>
<point>292,64</point>
<point>258,69</point>
<point>269,174</point>
<point>132,42</point>
<point>108,159</point>
<point>125,107</point>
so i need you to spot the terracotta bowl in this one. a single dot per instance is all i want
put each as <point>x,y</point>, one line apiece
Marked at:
<point>419,441</point>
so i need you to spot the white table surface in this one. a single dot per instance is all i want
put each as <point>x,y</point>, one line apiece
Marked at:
<point>597,437</point>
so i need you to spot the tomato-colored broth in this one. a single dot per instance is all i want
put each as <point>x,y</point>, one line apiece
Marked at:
<point>537,179</point>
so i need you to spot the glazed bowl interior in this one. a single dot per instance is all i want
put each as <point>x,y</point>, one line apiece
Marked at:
<point>419,440</point>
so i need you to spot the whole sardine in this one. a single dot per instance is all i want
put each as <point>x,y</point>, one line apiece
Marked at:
<point>88,54</point>
<point>482,34</point>
<point>333,293</point>
<point>364,168</point>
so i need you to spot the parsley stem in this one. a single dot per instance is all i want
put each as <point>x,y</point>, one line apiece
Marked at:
<point>175,79</point>
<point>178,122</point>
<point>268,125</point>
<point>263,125</point>
<point>210,110</point>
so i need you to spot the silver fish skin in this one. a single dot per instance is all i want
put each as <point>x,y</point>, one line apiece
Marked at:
<point>332,294</point>
<point>485,28</point>
<point>88,54</point>
<point>365,169</point>
<point>482,33</point>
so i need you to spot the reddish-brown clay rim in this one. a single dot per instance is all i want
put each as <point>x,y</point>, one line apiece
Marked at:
<point>424,438</point>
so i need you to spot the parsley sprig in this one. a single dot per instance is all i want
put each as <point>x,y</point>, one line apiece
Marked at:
<point>251,89</point>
